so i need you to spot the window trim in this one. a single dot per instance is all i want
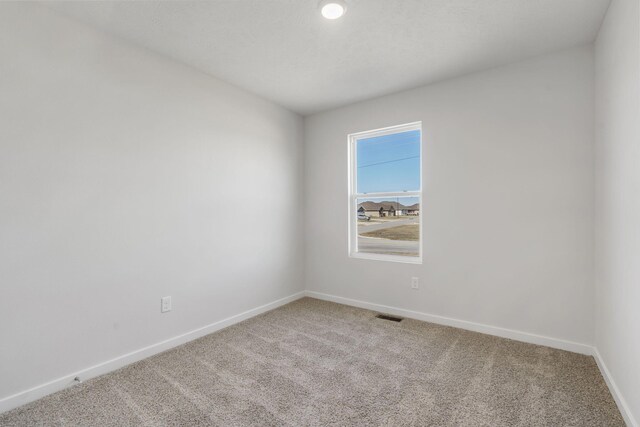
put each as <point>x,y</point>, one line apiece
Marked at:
<point>354,195</point>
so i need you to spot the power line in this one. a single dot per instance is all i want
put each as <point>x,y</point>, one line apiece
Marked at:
<point>388,161</point>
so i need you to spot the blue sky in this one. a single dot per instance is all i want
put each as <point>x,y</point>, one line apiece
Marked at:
<point>389,163</point>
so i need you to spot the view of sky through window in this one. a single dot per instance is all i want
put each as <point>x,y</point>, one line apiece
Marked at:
<point>388,163</point>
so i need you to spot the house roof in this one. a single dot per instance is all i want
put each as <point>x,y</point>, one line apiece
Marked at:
<point>386,205</point>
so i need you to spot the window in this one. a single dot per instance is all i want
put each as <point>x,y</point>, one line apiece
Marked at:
<point>385,194</point>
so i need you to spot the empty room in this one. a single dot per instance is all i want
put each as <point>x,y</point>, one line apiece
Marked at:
<point>320,213</point>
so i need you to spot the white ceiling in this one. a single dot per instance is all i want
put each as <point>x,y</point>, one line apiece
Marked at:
<point>285,51</point>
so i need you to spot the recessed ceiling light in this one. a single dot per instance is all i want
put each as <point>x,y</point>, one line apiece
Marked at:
<point>332,9</point>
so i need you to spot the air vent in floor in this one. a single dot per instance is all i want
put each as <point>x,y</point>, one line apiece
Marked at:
<point>388,317</point>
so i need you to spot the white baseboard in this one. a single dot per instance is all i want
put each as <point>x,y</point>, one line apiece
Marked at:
<point>61,383</point>
<point>462,324</point>
<point>615,391</point>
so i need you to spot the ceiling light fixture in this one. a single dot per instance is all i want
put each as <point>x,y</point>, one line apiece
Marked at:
<point>332,9</point>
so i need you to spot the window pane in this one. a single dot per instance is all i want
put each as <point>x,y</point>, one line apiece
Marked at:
<point>388,163</point>
<point>389,226</point>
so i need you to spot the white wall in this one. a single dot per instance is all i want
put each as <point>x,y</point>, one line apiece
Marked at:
<point>125,177</point>
<point>508,199</point>
<point>618,198</point>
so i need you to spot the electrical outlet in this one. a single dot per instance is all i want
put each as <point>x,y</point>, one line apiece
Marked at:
<point>165,304</point>
<point>415,283</point>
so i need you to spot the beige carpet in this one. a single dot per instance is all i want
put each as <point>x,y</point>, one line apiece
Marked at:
<point>315,363</point>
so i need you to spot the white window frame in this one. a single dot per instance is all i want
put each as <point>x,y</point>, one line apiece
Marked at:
<point>354,195</point>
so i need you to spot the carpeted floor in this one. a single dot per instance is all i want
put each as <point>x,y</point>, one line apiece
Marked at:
<point>316,363</point>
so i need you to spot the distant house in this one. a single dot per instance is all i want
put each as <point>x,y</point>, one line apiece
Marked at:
<point>387,208</point>
<point>375,209</point>
<point>413,209</point>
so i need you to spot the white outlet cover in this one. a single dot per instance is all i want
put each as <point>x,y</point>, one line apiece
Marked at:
<point>165,304</point>
<point>415,283</point>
